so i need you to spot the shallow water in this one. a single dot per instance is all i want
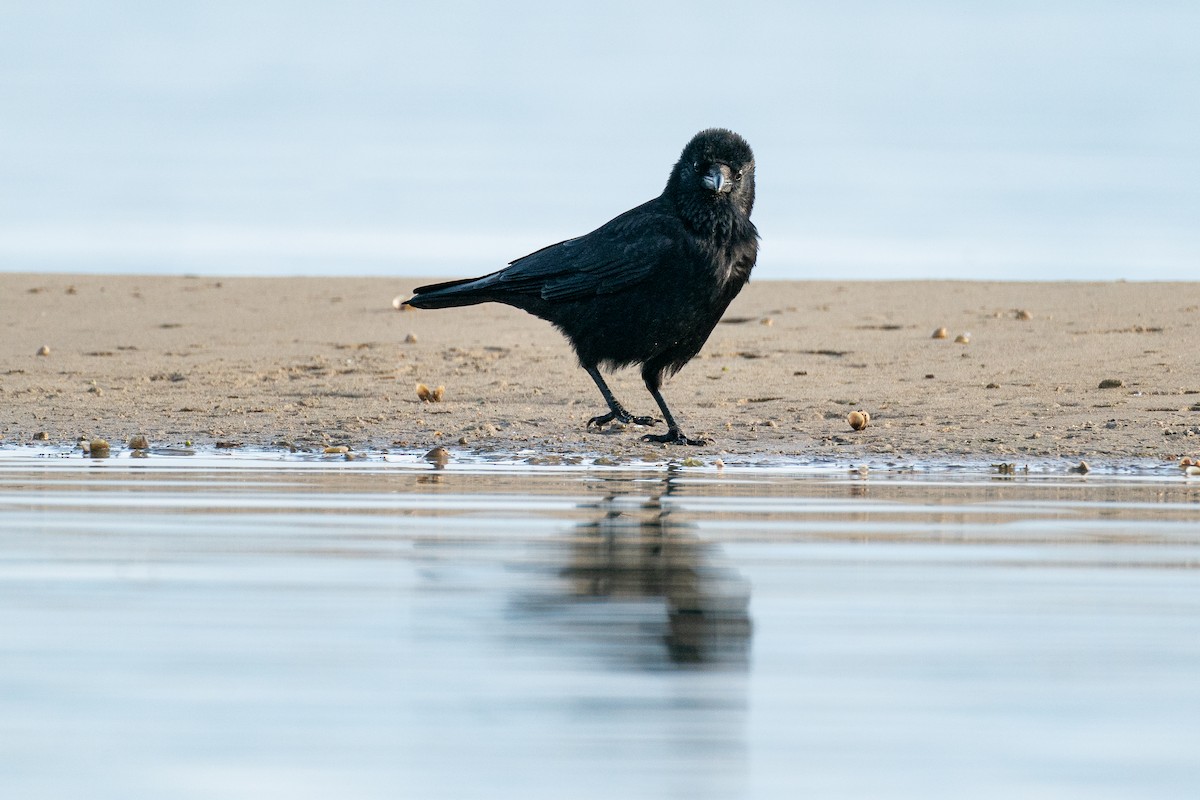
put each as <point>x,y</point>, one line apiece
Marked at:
<point>240,627</point>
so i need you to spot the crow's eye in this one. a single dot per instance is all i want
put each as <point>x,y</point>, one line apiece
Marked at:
<point>737,176</point>
<point>696,167</point>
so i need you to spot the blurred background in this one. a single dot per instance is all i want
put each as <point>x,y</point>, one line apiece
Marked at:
<point>1044,140</point>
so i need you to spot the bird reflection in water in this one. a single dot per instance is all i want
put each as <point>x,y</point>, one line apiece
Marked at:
<point>625,568</point>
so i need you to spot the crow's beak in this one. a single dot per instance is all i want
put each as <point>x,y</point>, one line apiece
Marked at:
<point>719,179</point>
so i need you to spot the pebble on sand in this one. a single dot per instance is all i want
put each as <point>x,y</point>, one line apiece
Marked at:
<point>428,395</point>
<point>858,420</point>
<point>44,350</point>
<point>941,333</point>
<point>438,456</point>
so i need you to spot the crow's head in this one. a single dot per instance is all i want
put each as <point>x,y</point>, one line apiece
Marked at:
<point>714,178</point>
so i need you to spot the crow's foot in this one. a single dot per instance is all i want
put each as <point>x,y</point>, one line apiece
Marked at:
<point>674,437</point>
<point>623,416</point>
<point>602,420</point>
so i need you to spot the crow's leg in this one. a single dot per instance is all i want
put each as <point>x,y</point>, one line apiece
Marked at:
<point>673,435</point>
<point>616,410</point>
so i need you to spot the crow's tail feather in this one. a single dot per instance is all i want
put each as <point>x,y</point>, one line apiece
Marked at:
<point>450,294</point>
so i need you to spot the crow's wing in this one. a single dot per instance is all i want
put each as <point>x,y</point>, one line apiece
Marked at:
<point>615,256</point>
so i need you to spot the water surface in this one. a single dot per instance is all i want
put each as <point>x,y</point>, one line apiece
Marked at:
<point>231,627</point>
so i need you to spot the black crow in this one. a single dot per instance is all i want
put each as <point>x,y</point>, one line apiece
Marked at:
<point>645,288</point>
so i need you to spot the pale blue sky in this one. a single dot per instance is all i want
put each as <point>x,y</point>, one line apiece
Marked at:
<point>935,139</point>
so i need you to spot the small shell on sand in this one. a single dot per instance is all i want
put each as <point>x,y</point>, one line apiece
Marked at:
<point>430,395</point>
<point>398,303</point>
<point>1112,383</point>
<point>410,339</point>
<point>858,420</point>
<point>963,338</point>
<point>44,350</point>
<point>1022,314</point>
<point>337,449</point>
<point>139,442</point>
<point>941,333</point>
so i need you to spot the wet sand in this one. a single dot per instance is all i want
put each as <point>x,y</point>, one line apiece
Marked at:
<point>266,362</point>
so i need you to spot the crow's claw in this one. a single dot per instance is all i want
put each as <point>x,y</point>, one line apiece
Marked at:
<point>602,420</point>
<point>674,437</point>
<point>623,417</point>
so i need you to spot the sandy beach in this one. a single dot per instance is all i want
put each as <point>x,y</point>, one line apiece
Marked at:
<point>314,362</point>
